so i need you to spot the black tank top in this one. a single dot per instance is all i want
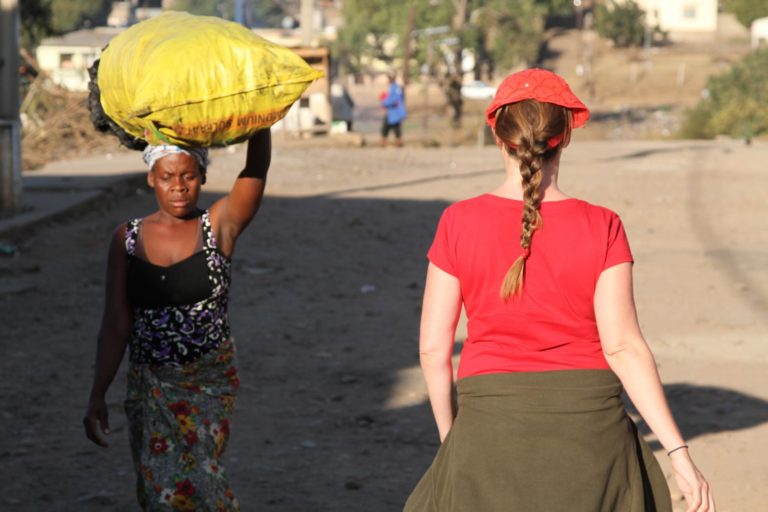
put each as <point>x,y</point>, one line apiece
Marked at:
<point>179,311</point>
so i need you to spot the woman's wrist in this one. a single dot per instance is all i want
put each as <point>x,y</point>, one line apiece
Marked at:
<point>258,155</point>
<point>682,448</point>
<point>97,393</point>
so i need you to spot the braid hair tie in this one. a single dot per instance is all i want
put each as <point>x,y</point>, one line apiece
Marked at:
<point>673,450</point>
<point>526,252</point>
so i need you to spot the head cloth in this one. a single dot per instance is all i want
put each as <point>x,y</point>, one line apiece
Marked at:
<point>154,153</point>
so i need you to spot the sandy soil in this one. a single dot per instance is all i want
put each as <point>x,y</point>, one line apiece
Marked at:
<point>325,304</point>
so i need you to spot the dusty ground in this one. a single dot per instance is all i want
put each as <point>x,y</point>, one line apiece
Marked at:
<point>325,304</point>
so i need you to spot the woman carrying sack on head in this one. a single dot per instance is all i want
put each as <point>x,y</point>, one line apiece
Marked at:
<point>553,337</point>
<point>168,280</point>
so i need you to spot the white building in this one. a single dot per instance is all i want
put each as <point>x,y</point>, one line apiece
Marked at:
<point>67,58</point>
<point>760,32</point>
<point>682,18</point>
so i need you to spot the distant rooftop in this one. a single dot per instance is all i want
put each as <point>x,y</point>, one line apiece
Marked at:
<point>98,36</point>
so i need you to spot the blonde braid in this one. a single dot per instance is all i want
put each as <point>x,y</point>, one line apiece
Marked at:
<point>526,128</point>
<point>530,170</point>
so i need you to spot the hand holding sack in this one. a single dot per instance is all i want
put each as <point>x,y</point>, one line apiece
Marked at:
<point>198,81</point>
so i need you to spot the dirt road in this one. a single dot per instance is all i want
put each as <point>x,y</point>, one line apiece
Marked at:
<point>325,305</point>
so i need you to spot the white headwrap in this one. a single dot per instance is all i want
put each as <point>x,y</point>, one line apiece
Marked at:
<point>154,153</point>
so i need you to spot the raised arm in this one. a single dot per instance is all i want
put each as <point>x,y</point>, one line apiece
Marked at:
<point>630,358</point>
<point>439,316</point>
<point>112,339</point>
<point>233,213</point>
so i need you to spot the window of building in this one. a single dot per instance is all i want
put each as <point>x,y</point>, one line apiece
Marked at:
<point>689,11</point>
<point>65,60</point>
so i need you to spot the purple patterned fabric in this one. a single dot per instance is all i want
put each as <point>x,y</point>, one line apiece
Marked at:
<point>180,334</point>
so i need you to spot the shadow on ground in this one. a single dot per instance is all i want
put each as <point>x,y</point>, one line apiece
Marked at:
<point>702,410</point>
<point>325,308</point>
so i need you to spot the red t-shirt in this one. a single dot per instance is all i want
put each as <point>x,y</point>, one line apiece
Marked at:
<point>552,326</point>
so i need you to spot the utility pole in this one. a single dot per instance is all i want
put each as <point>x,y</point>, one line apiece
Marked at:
<point>10,125</point>
<point>408,48</point>
<point>239,12</point>
<point>307,22</point>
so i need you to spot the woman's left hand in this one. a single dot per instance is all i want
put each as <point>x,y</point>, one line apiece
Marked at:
<point>695,488</point>
<point>96,422</point>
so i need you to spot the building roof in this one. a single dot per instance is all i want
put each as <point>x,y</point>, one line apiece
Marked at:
<point>95,37</point>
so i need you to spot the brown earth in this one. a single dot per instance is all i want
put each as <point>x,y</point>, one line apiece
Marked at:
<point>325,305</point>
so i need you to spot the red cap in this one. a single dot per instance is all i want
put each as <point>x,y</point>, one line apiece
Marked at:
<point>540,85</point>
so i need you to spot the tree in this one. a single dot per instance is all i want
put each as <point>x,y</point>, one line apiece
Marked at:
<point>556,7</point>
<point>267,14</point>
<point>257,12</point>
<point>69,15</point>
<point>369,25</point>
<point>455,72</point>
<point>35,22</point>
<point>506,35</point>
<point>746,11</point>
<point>736,102</point>
<point>501,33</point>
<point>623,23</point>
<point>205,7</point>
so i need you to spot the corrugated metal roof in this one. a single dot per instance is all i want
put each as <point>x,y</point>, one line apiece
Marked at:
<point>97,37</point>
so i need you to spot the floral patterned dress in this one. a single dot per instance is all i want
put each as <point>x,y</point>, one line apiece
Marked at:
<point>181,388</point>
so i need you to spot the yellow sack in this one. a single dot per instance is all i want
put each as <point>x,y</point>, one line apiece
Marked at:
<point>198,80</point>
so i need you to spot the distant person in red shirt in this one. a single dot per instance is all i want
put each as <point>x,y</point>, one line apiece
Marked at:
<point>553,339</point>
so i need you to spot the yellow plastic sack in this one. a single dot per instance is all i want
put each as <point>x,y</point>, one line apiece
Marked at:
<point>198,80</point>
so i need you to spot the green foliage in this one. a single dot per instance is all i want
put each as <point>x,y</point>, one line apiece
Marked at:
<point>623,23</point>
<point>372,26</point>
<point>509,34</point>
<point>69,15</point>
<point>206,7</point>
<point>746,11</point>
<point>258,12</point>
<point>696,122</point>
<point>35,22</point>
<point>267,14</point>
<point>556,7</point>
<point>502,33</point>
<point>367,26</point>
<point>736,102</point>
<point>262,13</point>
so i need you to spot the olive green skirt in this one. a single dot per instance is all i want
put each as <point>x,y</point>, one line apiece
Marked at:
<point>557,441</point>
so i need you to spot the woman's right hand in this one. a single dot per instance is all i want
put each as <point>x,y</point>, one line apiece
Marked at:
<point>693,485</point>
<point>96,421</point>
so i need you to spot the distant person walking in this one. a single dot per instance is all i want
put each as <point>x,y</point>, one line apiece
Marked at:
<point>553,339</point>
<point>394,103</point>
<point>167,296</point>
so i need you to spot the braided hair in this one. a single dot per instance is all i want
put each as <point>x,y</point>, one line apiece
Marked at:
<point>101,121</point>
<point>526,129</point>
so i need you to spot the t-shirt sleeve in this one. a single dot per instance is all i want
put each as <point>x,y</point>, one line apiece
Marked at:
<point>618,246</point>
<point>441,253</point>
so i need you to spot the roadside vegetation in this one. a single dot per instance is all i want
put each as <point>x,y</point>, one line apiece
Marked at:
<point>746,11</point>
<point>734,103</point>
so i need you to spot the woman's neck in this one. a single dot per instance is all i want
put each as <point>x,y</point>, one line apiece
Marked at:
<point>512,187</point>
<point>166,218</point>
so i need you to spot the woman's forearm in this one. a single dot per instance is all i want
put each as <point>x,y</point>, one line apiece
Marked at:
<point>109,355</point>
<point>439,316</point>
<point>438,375</point>
<point>636,368</point>
<point>258,155</point>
